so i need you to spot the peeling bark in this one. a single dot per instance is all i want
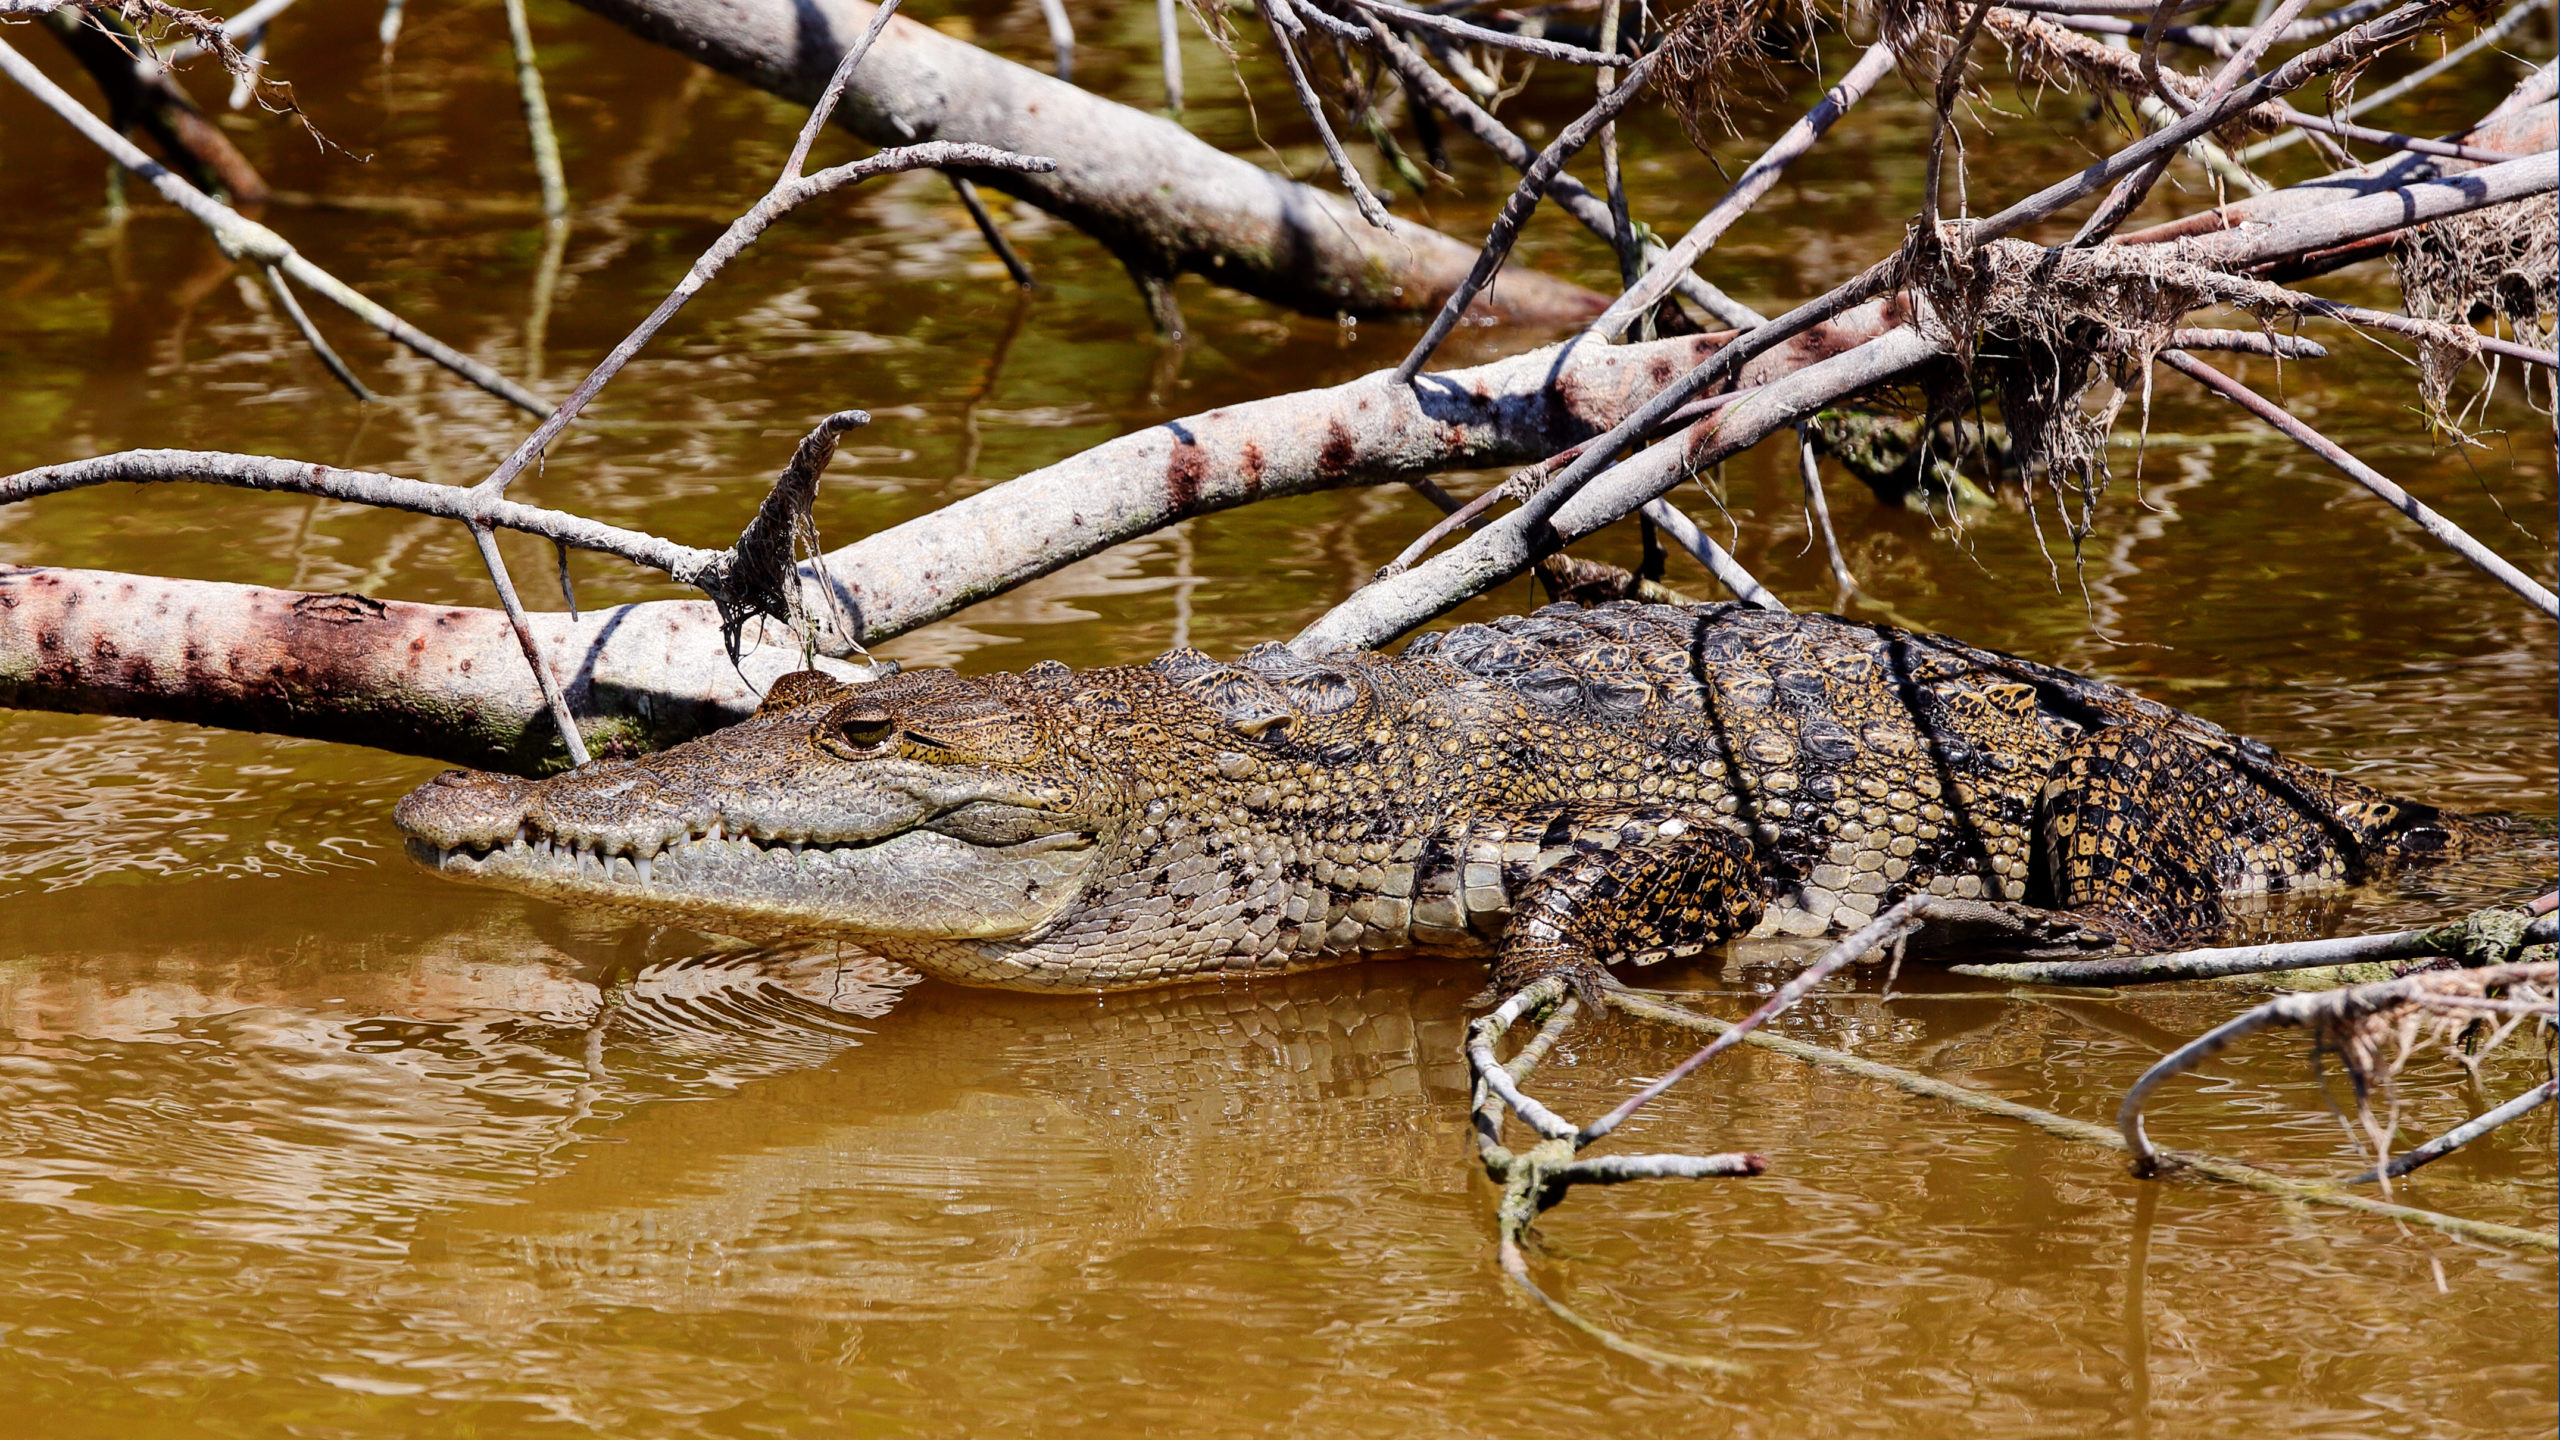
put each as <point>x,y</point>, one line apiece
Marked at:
<point>1158,197</point>
<point>448,681</point>
<point>438,680</point>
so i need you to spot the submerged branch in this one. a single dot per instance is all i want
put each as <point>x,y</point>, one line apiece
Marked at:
<point>2460,1135</point>
<point>2335,1016</point>
<point>2463,937</point>
<point>2083,1132</point>
<point>245,239</point>
<point>2453,536</point>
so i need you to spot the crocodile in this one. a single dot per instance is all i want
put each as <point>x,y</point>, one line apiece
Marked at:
<point>1555,792</point>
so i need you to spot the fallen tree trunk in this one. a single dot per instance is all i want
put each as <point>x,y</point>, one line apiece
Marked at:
<point>449,681</point>
<point>438,680</point>
<point>1162,200</point>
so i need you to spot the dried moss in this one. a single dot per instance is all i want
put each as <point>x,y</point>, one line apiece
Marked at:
<point>2497,263</point>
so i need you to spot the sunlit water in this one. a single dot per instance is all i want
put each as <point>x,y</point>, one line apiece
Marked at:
<point>294,1140</point>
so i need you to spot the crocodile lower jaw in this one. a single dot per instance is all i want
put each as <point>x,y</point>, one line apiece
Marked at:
<point>913,883</point>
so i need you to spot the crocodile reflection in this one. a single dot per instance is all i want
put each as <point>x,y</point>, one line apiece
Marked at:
<point>495,1112</point>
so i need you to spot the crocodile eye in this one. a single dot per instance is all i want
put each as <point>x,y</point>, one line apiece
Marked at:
<point>858,734</point>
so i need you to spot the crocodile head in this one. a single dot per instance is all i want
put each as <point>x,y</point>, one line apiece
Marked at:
<point>925,805</point>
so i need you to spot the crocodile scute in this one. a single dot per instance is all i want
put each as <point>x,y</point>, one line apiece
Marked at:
<point>1555,792</point>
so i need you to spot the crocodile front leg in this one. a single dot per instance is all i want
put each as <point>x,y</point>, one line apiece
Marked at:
<point>1638,884</point>
<point>2146,829</point>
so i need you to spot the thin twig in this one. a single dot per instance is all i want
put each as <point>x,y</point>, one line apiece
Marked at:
<point>2354,47</point>
<point>1702,547</point>
<point>2516,15</point>
<point>464,503</point>
<point>1428,88</point>
<point>1612,181</point>
<point>2365,134</point>
<point>1280,17</point>
<point>1746,191</point>
<point>967,190</point>
<point>1442,25</point>
<point>1950,84</point>
<point>1169,41</point>
<point>1904,916</point>
<point>2220,40</point>
<point>1062,38</point>
<point>790,190</point>
<point>786,196</point>
<point>2460,1135</point>
<point>2222,962</point>
<point>1515,212</point>
<point>575,743</point>
<point>311,335</point>
<point>246,239</point>
<point>2453,536</point>
<point>1818,505</point>
<point>246,26</point>
<point>2129,192</point>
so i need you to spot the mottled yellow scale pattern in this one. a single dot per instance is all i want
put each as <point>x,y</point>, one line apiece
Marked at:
<point>1546,787</point>
<point>1557,791</point>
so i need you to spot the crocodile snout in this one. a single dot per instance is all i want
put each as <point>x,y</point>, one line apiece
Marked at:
<point>464,809</point>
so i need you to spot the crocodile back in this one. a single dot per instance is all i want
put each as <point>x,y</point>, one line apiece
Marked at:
<point>1863,762</point>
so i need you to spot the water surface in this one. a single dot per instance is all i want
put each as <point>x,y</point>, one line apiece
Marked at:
<point>295,1140</point>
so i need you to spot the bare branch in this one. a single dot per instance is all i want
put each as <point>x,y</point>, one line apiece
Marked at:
<point>2461,1135</point>
<point>1281,17</point>
<point>1453,29</point>
<point>2453,536</point>
<point>1576,198</point>
<point>2463,937</point>
<point>1062,37</point>
<point>787,195</point>
<point>2354,47</point>
<point>246,239</point>
<point>2318,1009</point>
<point>1169,43</point>
<point>1387,608</point>
<point>537,114</point>
<point>1897,921</point>
<point>2082,1132</point>
<point>1663,273</point>
<point>1515,211</point>
<point>1155,195</point>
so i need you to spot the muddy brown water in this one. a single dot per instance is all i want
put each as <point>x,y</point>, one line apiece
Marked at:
<point>297,1141</point>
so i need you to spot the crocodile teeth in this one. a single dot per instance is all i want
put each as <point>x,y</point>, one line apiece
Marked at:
<point>642,865</point>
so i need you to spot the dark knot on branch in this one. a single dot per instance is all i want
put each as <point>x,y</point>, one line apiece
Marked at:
<point>760,576</point>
